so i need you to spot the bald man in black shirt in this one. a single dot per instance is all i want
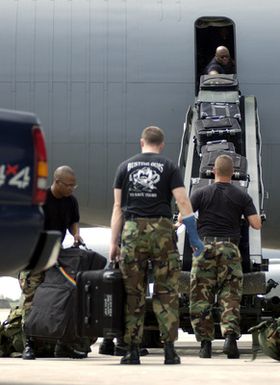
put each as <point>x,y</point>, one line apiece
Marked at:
<point>61,211</point>
<point>221,63</point>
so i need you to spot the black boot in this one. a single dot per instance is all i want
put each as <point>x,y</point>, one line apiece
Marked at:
<point>63,350</point>
<point>170,355</point>
<point>205,349</point>
<point>230,346</point>
<point>132,356</point>
<point>28,351</point>
<point>107,347</point>
<point>121,348</point>
<point>143,352</point>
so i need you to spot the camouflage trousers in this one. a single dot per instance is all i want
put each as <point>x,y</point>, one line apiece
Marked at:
<point>216,275</point>
<point>144,240</point>
<point>28,283</point>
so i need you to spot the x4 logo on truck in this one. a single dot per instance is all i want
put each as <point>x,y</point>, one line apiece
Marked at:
<point>12,175</point>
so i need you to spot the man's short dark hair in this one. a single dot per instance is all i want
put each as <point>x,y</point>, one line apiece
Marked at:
<point>153,135</point>
<point>224,165</point>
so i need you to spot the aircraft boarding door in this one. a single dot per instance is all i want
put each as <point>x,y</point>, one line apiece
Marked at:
<point>211,32</point>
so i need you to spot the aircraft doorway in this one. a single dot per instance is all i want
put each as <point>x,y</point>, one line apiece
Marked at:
<point>211,32</point>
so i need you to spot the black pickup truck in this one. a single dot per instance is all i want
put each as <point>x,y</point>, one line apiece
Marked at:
<point>24,245</point>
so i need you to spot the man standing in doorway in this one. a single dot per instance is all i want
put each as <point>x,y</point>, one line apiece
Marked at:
<point>221,63</point>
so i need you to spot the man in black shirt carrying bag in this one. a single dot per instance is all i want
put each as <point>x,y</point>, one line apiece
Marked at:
<point>61,211</point>
<point>143,189</point>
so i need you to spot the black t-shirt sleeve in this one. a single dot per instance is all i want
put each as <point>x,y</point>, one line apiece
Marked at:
<point>176,178</point>
<point>118,181</point>
<point>195,199</point>
<point>75,212</point>
<point>214,67</point>
<point>249,207</point>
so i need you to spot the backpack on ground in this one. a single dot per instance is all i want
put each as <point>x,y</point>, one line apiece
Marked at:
<point>267,336</point>
<point>11,336</point>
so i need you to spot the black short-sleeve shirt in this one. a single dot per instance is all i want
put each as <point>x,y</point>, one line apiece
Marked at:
<point>220,207</point>
<point>60,214</point>
<point>214,65</point>
<point>147,181</point>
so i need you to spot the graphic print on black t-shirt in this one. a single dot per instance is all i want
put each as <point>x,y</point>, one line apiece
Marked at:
<point>144,179</point>
<point>147,181</point>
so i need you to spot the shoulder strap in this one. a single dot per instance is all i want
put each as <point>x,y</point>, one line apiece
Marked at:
<point>66,275</point>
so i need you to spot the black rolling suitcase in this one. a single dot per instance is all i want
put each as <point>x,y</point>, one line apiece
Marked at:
<point>217,129</point>
<point>219,109</point>
<point>217,145</point>
<point>240,164</point>
<point>219,82</point>
<point>101,300</point>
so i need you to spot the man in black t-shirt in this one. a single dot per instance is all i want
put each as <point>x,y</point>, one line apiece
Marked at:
<point>61,213</point>
<point>143,188</point>
<point>221,63</point>
<point>61,208</point>
<point>218,269</point>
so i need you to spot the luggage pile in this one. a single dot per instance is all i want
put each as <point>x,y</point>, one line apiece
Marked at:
<point>218,129</point>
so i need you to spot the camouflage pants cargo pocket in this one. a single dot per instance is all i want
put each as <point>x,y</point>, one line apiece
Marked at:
<point>217,271</point>
<point>165,297</point>
<point>28,283</point>
<point>143,241</point>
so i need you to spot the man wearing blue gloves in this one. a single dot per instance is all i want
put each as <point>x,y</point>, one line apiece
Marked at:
<point>216,274</point>
<point>143,189</point>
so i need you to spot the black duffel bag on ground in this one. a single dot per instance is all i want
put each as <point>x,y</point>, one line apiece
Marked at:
<point>53,311</point>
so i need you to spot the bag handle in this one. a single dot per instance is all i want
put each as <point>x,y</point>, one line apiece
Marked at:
<point>66,275</point>
<point>78,244</point>
<point>113,265</point>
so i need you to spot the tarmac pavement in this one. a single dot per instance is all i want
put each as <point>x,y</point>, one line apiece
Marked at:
<point>105,370</point>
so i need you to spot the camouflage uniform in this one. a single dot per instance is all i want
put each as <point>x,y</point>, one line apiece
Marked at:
<point>28,283</point>
<point>217,270</point>
<point>151,239</point>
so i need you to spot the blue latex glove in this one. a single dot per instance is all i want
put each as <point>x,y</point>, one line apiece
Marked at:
<point>194,239</point>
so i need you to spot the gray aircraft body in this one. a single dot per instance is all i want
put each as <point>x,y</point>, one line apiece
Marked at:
<point>98,71</point>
